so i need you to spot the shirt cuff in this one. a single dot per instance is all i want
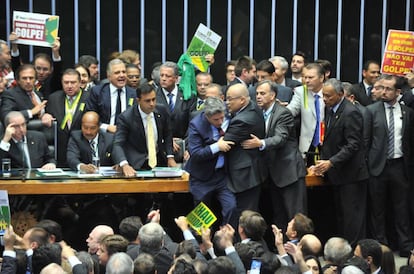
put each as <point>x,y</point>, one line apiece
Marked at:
<point>104,127</point>
<point>9,253</point>
<point>5,145</point>
<point>15,53</point>
<point>73,260</point>
<point>210,251</point>
<point>122,163</point>
<point>56,59</point>
<point>229,250</point>
<point>188,235</point>
<point>170,156</point>
<point>263,146</point>
<point>29,112</point>
<point>29,252</point>
<point>214,148</point>
<point>78,167</point>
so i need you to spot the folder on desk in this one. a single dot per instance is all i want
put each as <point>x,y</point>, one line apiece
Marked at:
<point>167,172</point>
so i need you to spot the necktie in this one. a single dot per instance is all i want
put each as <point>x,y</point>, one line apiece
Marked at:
<point>93,149</point>
<point>369,89</point>
<point>390,153</point>
<point>265,116</point>
<point>152,156</point>
<point>25,154</point>
<point>170,101</point>
<point>118,104</point>
<point>33,98</point>
<point>220,159</point>
<point>200,104</point>
<point>315,140</point>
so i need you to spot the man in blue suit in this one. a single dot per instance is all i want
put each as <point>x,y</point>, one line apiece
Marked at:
<point>111,99</point>
<point>206,164</point>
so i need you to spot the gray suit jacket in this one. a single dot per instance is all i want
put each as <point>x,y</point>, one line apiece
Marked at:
<point>282,159</point>
<point>243,165</point>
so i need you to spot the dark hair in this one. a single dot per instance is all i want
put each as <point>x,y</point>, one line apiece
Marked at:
<point>326,64</point>
<point>300,53</point>
<point>368,63</point>
<point>272,85</point>
<point>266,65</point>
<point>312,257</point>
<point>44,255</point>
<point>244,62</point>
<point>79,65</point>
<point>185,247</point>
<point>24,67</point>
<point>88,60</point>
<point>38,235</point>
<point>221,265</point>
<point>144,264</point>
<point>129,227</point>
<point>270,263</point>
<point>52,228</point>
<point>371,247</point>
<point>181,266</point>
<point>45,57</point>
<point>114,243</point>
<point>253,224</point>
<point>248,251</point>
<point>144,89</point>
<point>71,71</point>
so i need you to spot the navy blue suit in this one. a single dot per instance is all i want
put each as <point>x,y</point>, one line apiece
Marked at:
<point>205,179</point>
<point>100,101</point>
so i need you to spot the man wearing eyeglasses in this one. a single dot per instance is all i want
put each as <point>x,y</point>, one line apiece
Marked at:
<point>391,163</point>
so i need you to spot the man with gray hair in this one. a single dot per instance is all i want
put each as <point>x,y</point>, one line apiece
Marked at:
<point>109,100</point>
<point>281,67</point>
<point>336,252</point>
<point>206,164</point>
<point>120,263</point>
<point>343,161</point>
<point>151,238</point>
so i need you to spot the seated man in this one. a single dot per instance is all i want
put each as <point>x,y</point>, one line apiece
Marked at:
<point>143,138</point>
<point>27,149</point>
<point>87,141</point>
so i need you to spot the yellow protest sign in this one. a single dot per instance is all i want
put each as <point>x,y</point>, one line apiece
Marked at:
<point>201,216</point>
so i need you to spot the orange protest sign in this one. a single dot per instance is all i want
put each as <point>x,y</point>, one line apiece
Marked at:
<point>399,53</point>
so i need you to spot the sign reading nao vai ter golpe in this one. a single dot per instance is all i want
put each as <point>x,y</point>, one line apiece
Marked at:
<point>399,53</point>
<point>35,29</point>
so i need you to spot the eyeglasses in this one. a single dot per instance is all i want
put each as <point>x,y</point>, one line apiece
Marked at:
<point>381,88</point>
<point>232,98</point>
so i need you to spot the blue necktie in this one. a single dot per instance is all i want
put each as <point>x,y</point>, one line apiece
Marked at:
<point>220,159</point>
<point>170,101</point>
<point>315,140</point>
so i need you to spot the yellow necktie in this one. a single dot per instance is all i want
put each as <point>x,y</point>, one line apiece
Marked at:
<point>152,156</point>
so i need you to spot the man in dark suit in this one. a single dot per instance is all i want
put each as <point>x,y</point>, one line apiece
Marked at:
<point>245,70</point>
<point>343,161</point>
<point>391,163</point>
<point>111,99</point>
<point>25,148</point>
<point>48,70</point>
<point>79,152</point>
<point>243,165</point>
<point>283,165</point>
<point>132,148</point>
<point>281,67</point>
<point>203,80</point>
<point>24,97</point>
<point>370,73</point>
<point>207,164</point>
<point>67,107</point>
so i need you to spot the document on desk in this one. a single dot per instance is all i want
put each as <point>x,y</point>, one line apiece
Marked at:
<point>167,172</point>
<point>52,172</point>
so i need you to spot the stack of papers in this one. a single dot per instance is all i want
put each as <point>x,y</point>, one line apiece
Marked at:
<point>52,173</point>
<point>167,172</point>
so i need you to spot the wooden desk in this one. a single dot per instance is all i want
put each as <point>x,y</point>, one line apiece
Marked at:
<point>98,186</point>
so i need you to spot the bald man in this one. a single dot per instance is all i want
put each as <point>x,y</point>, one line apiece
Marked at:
<point>88,141</point>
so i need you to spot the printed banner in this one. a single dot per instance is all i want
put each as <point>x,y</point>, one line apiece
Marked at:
<point>205,41</point>
<point>201,216</point>
<point>399,53</point>
<point>35,29</point>
<point>4,211</point>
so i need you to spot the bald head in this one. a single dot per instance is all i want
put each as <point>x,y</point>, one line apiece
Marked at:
<point>237,97</point>
<point>310,245</point>
<point>96,235</point>
<point>90,125</point>
<point>52,268</point>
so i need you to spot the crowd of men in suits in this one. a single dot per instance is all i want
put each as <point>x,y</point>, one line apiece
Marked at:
<point>242,139</point>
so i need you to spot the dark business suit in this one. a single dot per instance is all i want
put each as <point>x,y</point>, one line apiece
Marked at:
<point>292,83</point>
<point>284,94</point>
<point>343,146</point>
<point>180,116</point>
<point>390,179</point>
<point>243,165</point>
<point>56,107</point>
<point>361,94</point>
<point>205,179</point>
<point>100,101</point>
<point>38,151</point>
<point>16,99</point>
<point>284,167</point>
<point>51,83</point>
<point>130,139</point>
<point>79,150</point>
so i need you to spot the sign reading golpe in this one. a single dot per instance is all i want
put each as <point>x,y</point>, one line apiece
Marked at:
<point>35,29</point>
<point>399,53</point>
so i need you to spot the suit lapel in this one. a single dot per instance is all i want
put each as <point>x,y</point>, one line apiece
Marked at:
<point>335,117</point>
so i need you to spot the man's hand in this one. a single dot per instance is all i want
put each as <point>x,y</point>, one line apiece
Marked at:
<point>176,146</point>
<point>224,145</point>
<point>56,48</point>
<point>206,237</point>
<point>10,130</point>
<point>171,162</point>
<point>37,109</point>
<point>128,170</point>
<point>47,119</point>
<point>154,216</point>
<point>87,168</point>
<point>410,77</point>
<point>210,58</point>
<point>254,142</point>
<point>67,251</point>
<point>111,129</point>
<point>278,240</point>
<point>49,166</point>
<point>321,167</point>
<point>9,238</point>
<point>186,155</point>
<point>182,223</point>
<point>227,233</point>
<point>12,38</point>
